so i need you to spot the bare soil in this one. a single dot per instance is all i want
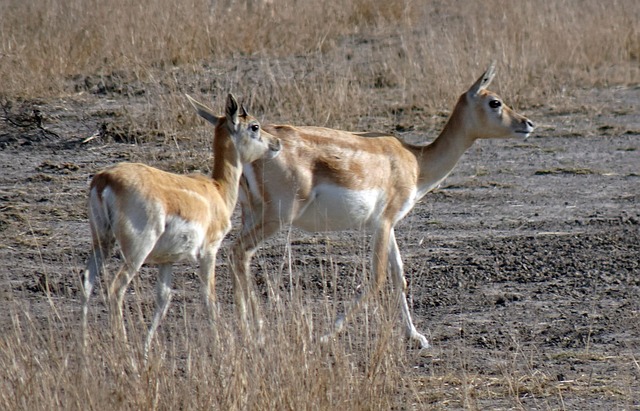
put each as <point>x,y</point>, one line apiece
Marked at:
<point>524,266</point>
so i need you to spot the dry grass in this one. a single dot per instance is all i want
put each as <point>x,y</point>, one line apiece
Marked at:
<point>305,49</point>
<point>194,367</point>
<point>301,61</point>
<point>309,62</point>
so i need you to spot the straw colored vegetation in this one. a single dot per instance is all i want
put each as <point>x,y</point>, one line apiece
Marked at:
<point>319,63</point>
<point>544,49</point>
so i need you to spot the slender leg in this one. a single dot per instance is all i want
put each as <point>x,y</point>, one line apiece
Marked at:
<point>116,297</point>
<point>163,298</point>
<point>244,290</point>
<point>135,247</point>
<point>400,284</point>
<point>102,244</point>
<point>378,274</point>
<point>95,266</point>
<point>207,273</point>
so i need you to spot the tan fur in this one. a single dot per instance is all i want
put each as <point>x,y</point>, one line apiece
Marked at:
<point>161,218</point>
<point>383,175</point>
<point>194,197</point>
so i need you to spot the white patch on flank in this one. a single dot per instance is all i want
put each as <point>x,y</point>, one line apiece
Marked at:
<point>334,208</point>
<point>146,224</point>
<point>181,240</point>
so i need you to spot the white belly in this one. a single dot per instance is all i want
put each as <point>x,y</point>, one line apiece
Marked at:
<point>181,240</point>
<point>332,208</point>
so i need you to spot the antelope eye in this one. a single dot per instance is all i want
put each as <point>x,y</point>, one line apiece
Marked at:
<point>495,103</point>
<point>255,127</point>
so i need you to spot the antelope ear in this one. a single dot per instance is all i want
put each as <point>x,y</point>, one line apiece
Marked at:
<point>231,110</point>
<point>243,111</point>
<point>204,111</point>
<point>484,80</point>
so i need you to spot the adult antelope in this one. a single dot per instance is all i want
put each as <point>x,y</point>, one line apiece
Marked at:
<point>332,180</point>
<point>162,218</point>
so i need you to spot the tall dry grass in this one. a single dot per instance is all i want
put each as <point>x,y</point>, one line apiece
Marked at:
<point>302,61</point>
<point>195,367</point>
<point>346,64</point>
<point>544,47</point>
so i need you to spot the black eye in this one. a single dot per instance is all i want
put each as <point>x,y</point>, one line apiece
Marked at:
<point>255,127</point>
<point>495,103</point>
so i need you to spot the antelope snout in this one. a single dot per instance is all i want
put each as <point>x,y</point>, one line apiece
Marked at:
<point>529,124</point>
<point>526,127</point>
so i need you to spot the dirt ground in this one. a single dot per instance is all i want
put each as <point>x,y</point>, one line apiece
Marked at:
<point>526,260</point>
